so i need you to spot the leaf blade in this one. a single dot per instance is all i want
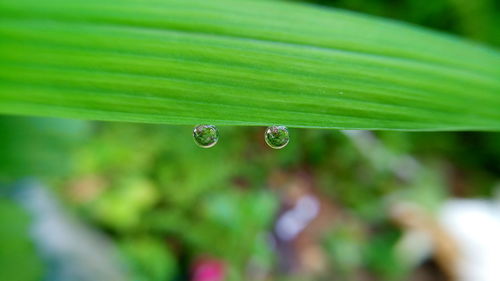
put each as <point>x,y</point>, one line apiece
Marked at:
<point>177,63</point>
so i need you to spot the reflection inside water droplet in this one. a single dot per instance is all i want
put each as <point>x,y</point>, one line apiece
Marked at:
<point>206,136</point>
<point>277,137</point>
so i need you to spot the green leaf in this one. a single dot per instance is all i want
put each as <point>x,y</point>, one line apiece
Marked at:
<point>231,62</point>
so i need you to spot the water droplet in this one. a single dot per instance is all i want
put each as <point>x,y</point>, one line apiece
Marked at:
<point>277,137</point>
<point>206,136</point>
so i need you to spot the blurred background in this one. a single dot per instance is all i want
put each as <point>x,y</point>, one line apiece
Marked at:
<point>117,201</point>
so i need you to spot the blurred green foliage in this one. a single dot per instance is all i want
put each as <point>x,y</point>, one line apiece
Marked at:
<point>18,259</point>
<point>166,202</point>
<point>152,183</point>
<point>477,19</point>
<point>37,146</point>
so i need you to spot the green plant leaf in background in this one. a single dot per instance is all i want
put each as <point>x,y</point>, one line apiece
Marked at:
<point>230,62</point>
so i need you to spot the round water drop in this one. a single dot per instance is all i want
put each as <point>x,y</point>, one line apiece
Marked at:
<point>206,136</point>
<point>277,137</point>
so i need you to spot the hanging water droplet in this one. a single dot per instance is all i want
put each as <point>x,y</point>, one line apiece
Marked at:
<point>206,136</point>
<point>277,137</point>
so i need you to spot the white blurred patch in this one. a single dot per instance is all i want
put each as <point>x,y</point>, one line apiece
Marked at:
<point>475,227</point>
<point>73,250</point>
<point>293,221</point>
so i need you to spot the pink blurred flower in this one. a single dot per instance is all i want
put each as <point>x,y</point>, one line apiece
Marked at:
<point>208,269</point>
